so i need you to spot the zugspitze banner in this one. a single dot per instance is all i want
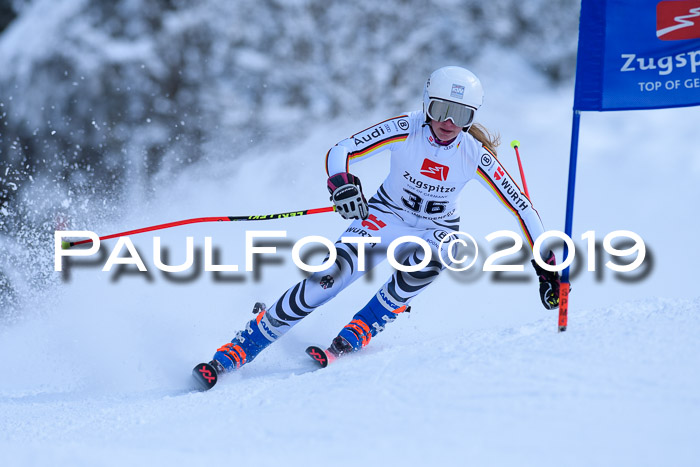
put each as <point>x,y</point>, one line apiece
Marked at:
<point>638,54</point>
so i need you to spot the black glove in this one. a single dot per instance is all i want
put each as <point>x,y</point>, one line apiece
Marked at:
<point>549,283</point>
<point>346,194</point>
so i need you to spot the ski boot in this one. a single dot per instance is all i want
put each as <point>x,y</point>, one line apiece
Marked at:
<point>366,323</point>
<point>242,349</point>
<point>248,343</point>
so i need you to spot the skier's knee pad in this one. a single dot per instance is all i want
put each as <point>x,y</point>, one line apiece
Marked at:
<point>324,285</point>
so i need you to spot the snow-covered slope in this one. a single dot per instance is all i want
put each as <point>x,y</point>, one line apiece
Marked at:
<point>620,389</point>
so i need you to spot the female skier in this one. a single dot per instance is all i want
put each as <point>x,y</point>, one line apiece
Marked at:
<point>434,153</point>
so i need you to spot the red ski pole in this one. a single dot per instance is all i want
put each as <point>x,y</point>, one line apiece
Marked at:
<point>66,245</point>
<point>515,144</point>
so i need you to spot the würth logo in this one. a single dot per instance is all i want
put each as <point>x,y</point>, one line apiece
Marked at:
<point>678,20</point>
<point>499,174</point>
<point>434,170</point>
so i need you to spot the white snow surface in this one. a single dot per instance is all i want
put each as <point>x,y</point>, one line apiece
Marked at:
<point>98,371</point>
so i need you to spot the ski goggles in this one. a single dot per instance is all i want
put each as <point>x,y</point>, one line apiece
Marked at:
<point>441,111</point>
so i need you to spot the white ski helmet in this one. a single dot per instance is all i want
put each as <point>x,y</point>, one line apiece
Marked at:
<point>448,86</point>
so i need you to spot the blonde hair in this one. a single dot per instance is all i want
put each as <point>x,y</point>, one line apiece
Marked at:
<point>481,134</point>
